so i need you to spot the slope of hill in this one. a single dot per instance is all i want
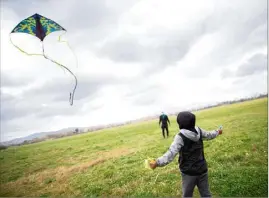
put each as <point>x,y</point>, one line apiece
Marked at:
<point>42,136</point>
<point>111,162</point>
<point>39,135</point>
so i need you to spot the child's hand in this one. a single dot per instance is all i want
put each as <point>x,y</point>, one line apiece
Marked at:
<point>153,164</point>
<point>220,131</point>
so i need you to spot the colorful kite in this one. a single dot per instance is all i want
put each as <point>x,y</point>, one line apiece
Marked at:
<point>40,27</point>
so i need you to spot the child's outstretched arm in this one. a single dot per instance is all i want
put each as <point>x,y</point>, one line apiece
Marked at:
<point>209,135</point>
<point>171,153</point>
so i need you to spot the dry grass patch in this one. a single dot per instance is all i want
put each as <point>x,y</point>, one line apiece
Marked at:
<point>55,181</point>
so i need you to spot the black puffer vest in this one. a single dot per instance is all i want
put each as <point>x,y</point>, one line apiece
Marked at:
<point>191,156</point>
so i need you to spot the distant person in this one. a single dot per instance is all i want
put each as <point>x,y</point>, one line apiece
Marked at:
<point>192,164</point>
<point>164,119</point>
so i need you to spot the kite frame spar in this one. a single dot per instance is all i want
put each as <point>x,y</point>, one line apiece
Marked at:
<point>40,26</point>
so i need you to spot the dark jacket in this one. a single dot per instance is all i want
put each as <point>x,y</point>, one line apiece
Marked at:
<point>189,145</point>
<point>164,119</point>
<point>191,156</point>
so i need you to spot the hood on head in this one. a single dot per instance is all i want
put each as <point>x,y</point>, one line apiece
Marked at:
<point>186,120</point>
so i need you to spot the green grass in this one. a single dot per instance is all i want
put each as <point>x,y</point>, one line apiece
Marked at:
<point>111,162</point>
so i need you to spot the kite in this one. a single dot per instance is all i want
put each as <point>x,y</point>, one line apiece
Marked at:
<point>147,163</point>
<point>40,26</point>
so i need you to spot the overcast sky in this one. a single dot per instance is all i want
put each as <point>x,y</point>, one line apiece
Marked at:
<point>135,58</point>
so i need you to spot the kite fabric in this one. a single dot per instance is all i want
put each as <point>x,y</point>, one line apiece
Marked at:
<point>40,26</point>
<point>147,163</point>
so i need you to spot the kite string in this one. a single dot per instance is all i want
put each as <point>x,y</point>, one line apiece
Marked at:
<point>71,97</point>
<point>61,41</point>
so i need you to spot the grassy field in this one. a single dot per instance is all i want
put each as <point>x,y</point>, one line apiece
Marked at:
<point>111,162</point>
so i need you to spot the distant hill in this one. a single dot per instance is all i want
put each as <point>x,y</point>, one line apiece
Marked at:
<point>39,135</point>
<point>42,136</point>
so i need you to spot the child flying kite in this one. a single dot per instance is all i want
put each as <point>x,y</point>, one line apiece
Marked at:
<point>192,164</point>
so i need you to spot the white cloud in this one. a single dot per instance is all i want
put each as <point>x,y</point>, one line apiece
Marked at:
<point>135,58</point>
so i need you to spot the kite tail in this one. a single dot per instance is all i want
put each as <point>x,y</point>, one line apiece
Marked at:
<point>61,41</point>
<point>25,51</point>
<point>71,97</point>
<point>22,49</point>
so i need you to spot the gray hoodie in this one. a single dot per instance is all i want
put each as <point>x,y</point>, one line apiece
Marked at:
<point>178,144</point>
